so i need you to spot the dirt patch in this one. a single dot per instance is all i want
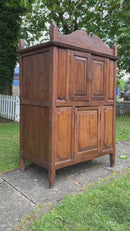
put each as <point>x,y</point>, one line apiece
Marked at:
<point>5,121</point>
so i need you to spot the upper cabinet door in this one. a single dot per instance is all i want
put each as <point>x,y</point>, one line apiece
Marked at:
<point>79,75</point>
<point>100,73</point>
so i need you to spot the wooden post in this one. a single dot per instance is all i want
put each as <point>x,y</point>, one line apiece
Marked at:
<point>112,155</point>
<point>21,44</point>
<point>114,49</point>
<point>22,160</point>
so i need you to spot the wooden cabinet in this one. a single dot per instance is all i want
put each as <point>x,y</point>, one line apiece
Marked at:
<point>67,95</point>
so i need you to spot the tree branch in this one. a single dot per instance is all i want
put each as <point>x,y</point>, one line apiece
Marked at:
<point>74,11</point>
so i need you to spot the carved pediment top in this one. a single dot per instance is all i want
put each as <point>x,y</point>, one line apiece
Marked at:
<point>79,38</point>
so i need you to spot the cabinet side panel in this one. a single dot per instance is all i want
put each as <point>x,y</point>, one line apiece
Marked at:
<point>35,131</point>
<point>108,127</point>
<point>61,85</point>
<point>64,133</point>
<point>35,76</point>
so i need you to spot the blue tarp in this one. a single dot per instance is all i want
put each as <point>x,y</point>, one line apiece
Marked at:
<point>15,82</point>
<point>16,77</point>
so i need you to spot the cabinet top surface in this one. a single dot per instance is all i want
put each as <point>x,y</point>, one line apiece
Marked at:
<point>77,40</point>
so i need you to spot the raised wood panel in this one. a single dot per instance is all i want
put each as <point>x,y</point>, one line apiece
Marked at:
<point>107,121</point>
<point>97,86</point>
<point>111,81</point>
<point>36,76</point>
<point>64,133</point>
<point>62,69</point>
<point>87,130</point>
<point>79,81</point>
<point>99,78</point>
<point>35,131</point>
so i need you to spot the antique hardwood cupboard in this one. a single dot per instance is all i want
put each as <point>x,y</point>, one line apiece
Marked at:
<point>67,95</point>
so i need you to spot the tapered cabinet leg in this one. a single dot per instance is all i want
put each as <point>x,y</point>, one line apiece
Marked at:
<point>51,176</point>
<point>22,164</point>
<point>112,160</point>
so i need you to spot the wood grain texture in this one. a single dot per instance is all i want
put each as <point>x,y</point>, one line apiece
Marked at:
<point>100,73</point>
<point>62,72</point>
<point>36,131</point>
<point>36,76</point>
<point>107,127</point>
<point>87,130</point>
<point>79,76</point>
<point>64,133</point>
<point>79,38</point>
<point>111,82</point>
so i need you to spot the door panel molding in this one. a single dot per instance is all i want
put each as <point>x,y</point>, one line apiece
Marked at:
<point>87,130</point>
<point>79,76</point>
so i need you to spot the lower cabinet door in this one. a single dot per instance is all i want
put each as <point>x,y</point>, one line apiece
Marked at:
<point>107,128</point>
<point>87,130</point>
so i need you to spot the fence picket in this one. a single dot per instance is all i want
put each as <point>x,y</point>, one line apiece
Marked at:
<point>10,107</point>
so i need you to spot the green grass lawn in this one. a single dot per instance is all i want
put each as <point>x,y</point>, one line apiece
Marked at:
<point>9,141</point>
<point>122,127</point>
<point>105,207</point>
<point>9,146</point>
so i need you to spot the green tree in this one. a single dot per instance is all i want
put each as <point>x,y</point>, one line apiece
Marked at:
<point>109,19</point>
<point>122,84</point>
<point>10,24</point>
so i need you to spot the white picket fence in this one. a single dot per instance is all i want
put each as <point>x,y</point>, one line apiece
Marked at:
<point>10,107</point>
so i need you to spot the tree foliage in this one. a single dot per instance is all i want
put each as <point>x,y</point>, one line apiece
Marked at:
<point>109,19</point>
<point>122,84</point>
<point>10,23</point>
